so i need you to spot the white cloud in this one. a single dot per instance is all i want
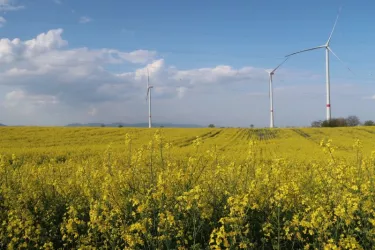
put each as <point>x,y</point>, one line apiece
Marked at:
<point>20,97</point>
<point>57,1</point>
<point>43,81</point>
<point>10,5</point>
<point>15,50</point>
<point>85,19</point>
<point>45,52</point>
<point>2,21</point>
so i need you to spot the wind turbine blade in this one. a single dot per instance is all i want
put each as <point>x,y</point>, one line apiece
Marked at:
<point>334,26</point>
<point>301,51</point>
<point>148,90</point>
<point>279,65</point>
<point>148,80</point>
<point>340,60</point>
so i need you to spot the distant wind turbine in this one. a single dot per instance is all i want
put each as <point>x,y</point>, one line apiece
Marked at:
<point>271,73</point>
<point>328,49</point>
<point>148,96</point>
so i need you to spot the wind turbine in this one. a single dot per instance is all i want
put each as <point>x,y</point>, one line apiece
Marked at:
<point>271,73</point>
<point>148,96</point>
<point>327,49</point>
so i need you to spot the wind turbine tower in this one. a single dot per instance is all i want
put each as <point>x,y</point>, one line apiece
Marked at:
<point>148,96</point>
<point>271,73</point>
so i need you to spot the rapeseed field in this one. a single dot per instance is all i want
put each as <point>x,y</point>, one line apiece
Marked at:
<point>129,188</point>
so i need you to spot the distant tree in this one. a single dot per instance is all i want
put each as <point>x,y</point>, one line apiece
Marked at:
<point>103,125</point>
<point>211,125</point>
<point>316,124</point>
<point>327,123</point>
<point>335,122</point>
<point>251,125</point>
<point>352,121</point>
<point>369,123</point>
<point>162,126</point>
<point>120,126</point>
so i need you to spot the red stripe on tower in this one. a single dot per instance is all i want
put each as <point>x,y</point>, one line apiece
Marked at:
<point>328,105</point>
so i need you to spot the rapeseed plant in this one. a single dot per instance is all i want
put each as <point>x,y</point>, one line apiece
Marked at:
<point>188,194</point>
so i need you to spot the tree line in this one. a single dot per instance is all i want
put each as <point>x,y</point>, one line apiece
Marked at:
<point>350,121</point>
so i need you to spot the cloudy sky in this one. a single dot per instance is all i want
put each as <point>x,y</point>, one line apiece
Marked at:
<point>65,61</point>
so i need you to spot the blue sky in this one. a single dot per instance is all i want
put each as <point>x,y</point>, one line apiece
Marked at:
<point>188,36</point>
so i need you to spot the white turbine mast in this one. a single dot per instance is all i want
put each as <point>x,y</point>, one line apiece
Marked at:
<point>271,73</point>
<point>148,96</point>
<point>328,49</point>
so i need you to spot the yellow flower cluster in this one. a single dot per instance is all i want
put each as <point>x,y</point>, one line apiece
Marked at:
<point>155,195</point>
